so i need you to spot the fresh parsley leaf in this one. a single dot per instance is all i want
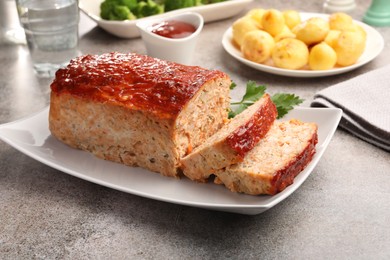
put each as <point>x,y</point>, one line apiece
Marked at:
<point>253,93</point>
<point>237,110</point>
<point>233,85</point>
<point>285,102</point>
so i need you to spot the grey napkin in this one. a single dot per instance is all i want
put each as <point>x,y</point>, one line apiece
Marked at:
<point>365,101</point>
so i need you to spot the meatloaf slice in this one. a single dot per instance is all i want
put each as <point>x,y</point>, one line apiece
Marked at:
<point>137,110</point>
<point>230,144</point>
<point>274,162</point>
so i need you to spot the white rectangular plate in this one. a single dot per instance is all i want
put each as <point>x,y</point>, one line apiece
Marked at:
<point>32,137</point>
<point>128,29</point>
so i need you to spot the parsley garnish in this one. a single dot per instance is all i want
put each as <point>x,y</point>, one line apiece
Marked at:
<point>284,102</point>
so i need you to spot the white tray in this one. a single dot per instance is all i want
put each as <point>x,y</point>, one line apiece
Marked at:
<point>32,137</point>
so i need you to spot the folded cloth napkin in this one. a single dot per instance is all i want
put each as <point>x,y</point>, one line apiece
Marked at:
<point>365,101</point>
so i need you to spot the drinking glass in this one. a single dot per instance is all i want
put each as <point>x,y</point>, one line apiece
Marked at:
<point>51,28</point>
<point>10,30</point>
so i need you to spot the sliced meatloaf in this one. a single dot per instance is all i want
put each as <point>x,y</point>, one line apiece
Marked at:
<point>274,162</point>
<point>137,110</point>
<point>230,144</point>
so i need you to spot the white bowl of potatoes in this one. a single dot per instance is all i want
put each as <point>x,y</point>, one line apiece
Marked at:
<point>298,44</point>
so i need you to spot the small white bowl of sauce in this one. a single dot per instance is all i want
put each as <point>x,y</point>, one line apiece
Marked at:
<point>172,38</point>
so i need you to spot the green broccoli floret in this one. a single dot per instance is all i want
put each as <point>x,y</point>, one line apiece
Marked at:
<point>121,12</point>
<point>133,9</point>
<point>206,2</point>
<point>198,2</point>
<point>177,4</point>
<point>117,9</point>
<point>148,8</point>
<point>129,9</point>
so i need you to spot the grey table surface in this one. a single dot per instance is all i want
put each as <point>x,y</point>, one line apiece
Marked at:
<point>342,211</point>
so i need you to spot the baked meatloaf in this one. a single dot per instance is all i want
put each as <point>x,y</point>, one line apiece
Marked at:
<point>137,110</point>
<point>230,144</point>
<point>274,162</point>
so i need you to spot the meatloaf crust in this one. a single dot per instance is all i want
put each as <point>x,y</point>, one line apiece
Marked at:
<point>137,110</point>
<point>274,162</point>
<point>230,144</point>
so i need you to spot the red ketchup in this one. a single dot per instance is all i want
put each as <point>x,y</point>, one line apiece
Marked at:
<point>173,29</point>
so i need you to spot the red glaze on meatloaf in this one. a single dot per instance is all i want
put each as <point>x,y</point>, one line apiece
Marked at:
<point>246,136</point>
<point>274,162</point>
<point>133,80</point>
<point>232,142</point>
<point>137,110</point>
<point>285,177</point>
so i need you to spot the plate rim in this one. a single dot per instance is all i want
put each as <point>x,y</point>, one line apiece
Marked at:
<point>248,209</point>
<point>233,51</point>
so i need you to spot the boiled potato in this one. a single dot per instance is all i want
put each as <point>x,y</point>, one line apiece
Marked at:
<point>340,22</point>
<point>297,28</point>
<point>257,46</point>
<point>282,39</point>
<point>312,31</point>
<point>290,53</point>
<point>322,57</point>
<point>285,33</point>
<point>349,47</point>
<point>344,22</point>
<point>359,29</point>
<point>273,22</point>
<point>257,15</point>
<point>332,37</point>
<point>241,27</point>
<point>291,18</point>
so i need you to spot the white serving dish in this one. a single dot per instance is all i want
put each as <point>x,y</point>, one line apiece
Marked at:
<point>178,50</point>
<point>32,137</point>
<point>128,29</point>
<point>374,46</point>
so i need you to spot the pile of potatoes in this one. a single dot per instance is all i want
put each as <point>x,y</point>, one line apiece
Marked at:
<point>283,40</point>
